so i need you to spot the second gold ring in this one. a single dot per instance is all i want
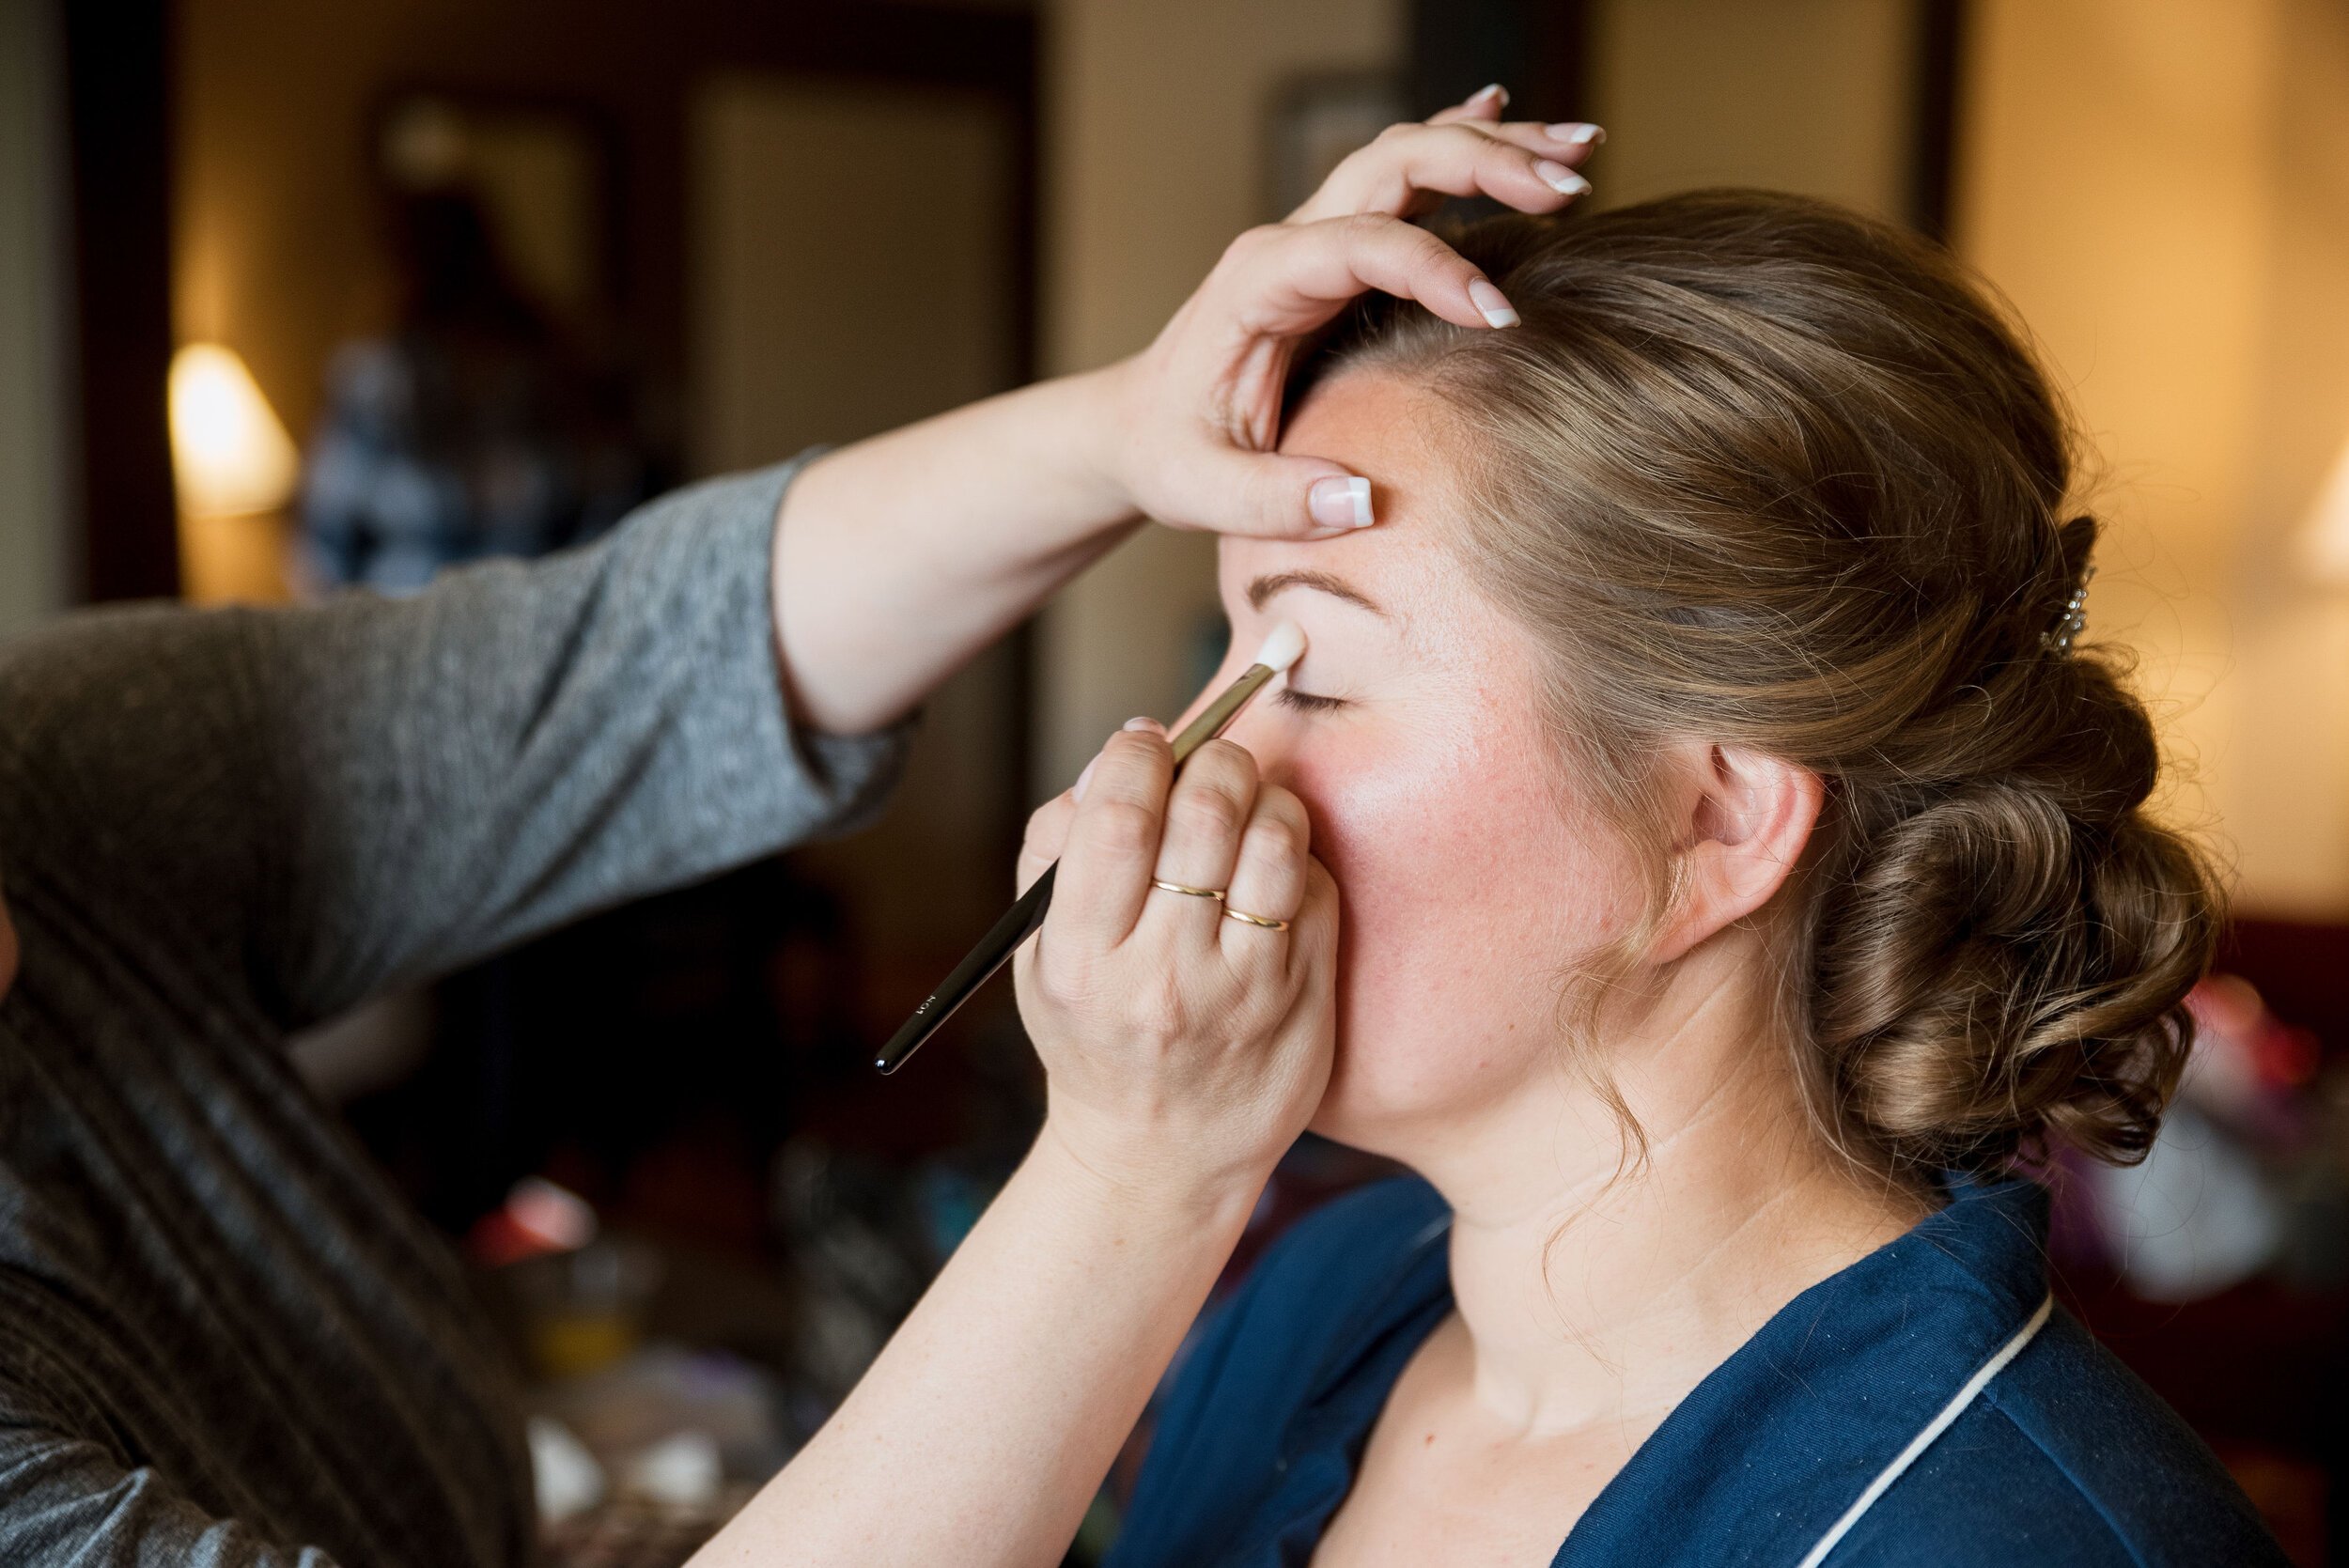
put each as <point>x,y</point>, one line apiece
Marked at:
<point>1216,894</point>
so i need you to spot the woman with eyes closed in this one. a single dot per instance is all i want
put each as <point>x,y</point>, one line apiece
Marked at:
<point>1716,865</point>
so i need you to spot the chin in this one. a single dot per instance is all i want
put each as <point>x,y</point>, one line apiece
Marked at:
<point>1425,1049</point>
<point>1381,1101</point>
<point>1330,1120</point>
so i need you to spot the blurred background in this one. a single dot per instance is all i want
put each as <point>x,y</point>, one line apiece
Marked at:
<point>295,297</point>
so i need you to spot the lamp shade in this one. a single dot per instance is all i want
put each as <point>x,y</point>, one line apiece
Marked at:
<point>230,454</point>
<point>2324,537</point>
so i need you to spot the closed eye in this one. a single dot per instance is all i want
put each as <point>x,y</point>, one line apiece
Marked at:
<point>1307,702</point>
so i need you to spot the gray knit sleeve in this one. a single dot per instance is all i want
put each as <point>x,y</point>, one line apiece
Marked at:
<point>67,1502</point>
<point>335,798</point>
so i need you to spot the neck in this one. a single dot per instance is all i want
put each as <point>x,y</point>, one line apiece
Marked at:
<point>1600,1286</point>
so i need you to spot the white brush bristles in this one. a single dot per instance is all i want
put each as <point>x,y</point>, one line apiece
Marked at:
<point>1284,647</point>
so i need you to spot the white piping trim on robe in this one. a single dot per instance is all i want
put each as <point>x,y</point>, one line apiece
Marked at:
<point>1923,1440</point>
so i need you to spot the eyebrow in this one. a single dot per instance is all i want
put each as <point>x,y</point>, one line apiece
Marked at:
<point>1263,588</point>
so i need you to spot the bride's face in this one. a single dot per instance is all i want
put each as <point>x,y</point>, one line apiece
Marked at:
<point>1470,870</point>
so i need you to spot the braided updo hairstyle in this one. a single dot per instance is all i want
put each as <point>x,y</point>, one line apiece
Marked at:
<point>1759,470</point>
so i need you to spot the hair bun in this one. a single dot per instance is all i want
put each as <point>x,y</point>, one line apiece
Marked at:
<point>1996,969</point>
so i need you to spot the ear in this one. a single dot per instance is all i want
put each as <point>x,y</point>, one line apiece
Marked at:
<point>1744,818</point>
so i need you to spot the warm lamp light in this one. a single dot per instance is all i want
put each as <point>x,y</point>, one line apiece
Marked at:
<point>229,453</point>
<point>2325,539</point>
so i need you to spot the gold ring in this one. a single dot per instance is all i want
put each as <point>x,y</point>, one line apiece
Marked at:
<point>1255,920</point>
<point>1216,894</point>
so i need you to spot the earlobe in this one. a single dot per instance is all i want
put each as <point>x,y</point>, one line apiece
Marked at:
<point>1749,816</point>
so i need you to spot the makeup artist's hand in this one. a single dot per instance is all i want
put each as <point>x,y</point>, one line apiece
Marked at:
<point>1186,1052</point>
<point>1197,413</point>
<point>899,557</point>
<point>1185,1049</point>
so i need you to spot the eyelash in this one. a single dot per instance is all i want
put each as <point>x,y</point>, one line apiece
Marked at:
<point>1308,702</point>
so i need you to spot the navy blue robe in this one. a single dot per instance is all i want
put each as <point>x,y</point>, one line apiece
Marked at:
<point>1927,1405</point>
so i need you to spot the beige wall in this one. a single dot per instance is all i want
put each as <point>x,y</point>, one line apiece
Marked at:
<point>273,243</point>
<point>1155,126</point>
<point>1796,95</point>
<point>2162,188</point>
<point>850,268</point>
<point>35,531</point>
<point>888,308</point>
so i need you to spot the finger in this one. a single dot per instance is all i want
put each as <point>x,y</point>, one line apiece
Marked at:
<point>1047,833</point>
<point>1293,277</point>
<point>1228,489</point>
<point>1112,840</point>
<point>1269,877</point>
<point>1487,103</point>
<point>1314,932</point>
<point>1205,812</point>
<point>1394,173</point>
<point>1557,149</point>
<point>1569,141</point>
<point>1578,133</point>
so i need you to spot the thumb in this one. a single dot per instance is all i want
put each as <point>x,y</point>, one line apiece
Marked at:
<point>1227,490</point>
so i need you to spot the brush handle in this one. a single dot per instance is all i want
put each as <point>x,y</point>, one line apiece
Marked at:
<point>978,966</point>
<point>1021,919</point>
<point>1220,713</point>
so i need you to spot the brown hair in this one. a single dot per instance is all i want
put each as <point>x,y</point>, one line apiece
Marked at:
<point>1760,471</point>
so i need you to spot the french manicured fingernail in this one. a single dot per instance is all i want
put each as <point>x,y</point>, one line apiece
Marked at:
<point>1492,304</point>
<point>1488,91</point>
<point>1340,502</point>
<point>1152,725</point>
<point>1579,133</point>
<point>1560,179</point>
<point>1085,778</point>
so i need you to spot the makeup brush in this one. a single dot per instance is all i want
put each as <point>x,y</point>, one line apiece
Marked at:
<point>1281,649</point>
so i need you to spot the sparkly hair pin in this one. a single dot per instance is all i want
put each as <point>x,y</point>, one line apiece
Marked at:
<point>2075,617</point>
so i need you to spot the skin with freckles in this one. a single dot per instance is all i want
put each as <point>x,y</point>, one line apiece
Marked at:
<point>1411,729</point>
<point>1592,1292</point>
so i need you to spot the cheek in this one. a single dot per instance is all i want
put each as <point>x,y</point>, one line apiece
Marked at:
<point>1468,890</point>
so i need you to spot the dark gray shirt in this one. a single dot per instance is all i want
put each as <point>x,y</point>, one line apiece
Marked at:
<point>223,1338</point>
